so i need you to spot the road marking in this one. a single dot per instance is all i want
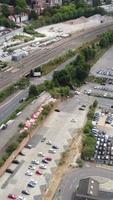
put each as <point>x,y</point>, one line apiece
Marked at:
<point>10,100</point>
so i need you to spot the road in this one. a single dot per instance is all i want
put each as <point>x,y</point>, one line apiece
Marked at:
<point>11,104</point>
<point>38,58</point>
<point>71,180</point>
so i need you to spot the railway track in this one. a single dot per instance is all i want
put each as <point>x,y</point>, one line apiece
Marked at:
<point>38,58</point>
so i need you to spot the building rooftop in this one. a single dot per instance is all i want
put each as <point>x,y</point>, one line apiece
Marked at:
<point>89,190</point>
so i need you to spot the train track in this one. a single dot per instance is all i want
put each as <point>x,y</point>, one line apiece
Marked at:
<point>38,58</point>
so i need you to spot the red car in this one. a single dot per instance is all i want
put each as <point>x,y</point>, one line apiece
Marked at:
<point>48,158</point>
<point>38,172</point>
<point>12,196</point>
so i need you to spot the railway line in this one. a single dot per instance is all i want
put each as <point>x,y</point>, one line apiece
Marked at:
<point>38,58</point>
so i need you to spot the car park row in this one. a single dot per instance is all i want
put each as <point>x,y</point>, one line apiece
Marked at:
<point>104,142</point>
<point>36,167</point>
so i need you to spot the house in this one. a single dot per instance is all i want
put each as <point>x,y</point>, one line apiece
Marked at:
<point>40,5</point>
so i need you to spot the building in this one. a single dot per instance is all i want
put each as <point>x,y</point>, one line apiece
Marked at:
<point>40,5</point>
<point>88,189</point>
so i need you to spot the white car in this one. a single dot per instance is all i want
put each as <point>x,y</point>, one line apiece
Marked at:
<point>52,151</point>
<point>28,173</point>
<point>41,154</point>
<point>31,167</point>
<point>49,142</point>
<point>42,166</point>
<point>21,198</point>
<point>36,162</point>
<point>33,181</point>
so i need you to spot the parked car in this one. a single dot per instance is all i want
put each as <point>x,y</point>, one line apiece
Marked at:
<point>49,142</point>
<point>57,110</point>
<point>21,153</point>
<point>28,146</point>
<point>25,192</point>
<point>16,161</point>
<point>43,139</point>
<point>52,151</point>
<point>55,147</point>
<point>36,162</point>
<point>44,161</point>
<point>38,172</point>
<point>28,173</point>
<point>41,154</point>
<point>31,167</point>
<point>48,158</point>
<point>10,171</point>
<point>12,196</point>
<point>21,198</point>
<point>42,166</point>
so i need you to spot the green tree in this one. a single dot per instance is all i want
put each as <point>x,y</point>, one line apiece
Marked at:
<point>33,90</point>
<point>62,77</point>
<point>5,10</point>
<point>88,152</point>
<point>21,5</point>
<point>33,15</point>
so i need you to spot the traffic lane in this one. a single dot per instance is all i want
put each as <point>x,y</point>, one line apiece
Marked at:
<point>73,42</point>
<point>12,104</point>
<point>71,180</point>
<point>12,129</point>
<point>49,76</point>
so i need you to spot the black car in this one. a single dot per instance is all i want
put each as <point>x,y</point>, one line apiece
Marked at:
<point>44,161</point>
<point>25,192</point>
<point>21,153</point>
<point>81,108</point>
<point>57,110</point>
<point>9,171</point>
<point>16,161</point>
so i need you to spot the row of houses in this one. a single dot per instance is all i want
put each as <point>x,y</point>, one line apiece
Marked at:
<point>37,5</point>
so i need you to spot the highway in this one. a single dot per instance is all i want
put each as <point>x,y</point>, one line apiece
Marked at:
<point>71,181</point>
<point>41,56</point>
<point>11,104</point>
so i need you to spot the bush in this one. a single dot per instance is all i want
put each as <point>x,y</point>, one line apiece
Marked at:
<point>80,162</point>
<point>1,162</point>
<point>11,148</point>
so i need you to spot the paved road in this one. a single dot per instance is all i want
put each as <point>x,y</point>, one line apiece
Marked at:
<point>39,57</point>
<point>71,180</point>
<point>11,104</point>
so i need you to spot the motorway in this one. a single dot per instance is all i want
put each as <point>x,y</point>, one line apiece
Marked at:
<point>71,180</point>
<point>11,104</point>
<point>42,56</point>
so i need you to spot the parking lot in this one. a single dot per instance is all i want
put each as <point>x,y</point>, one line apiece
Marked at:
<point>102,90</point>
<point>104,66</point>
<point>57,130</point>
<point>103,132</point>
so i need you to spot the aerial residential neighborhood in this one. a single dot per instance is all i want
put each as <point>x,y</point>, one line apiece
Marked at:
<point>56,99</point>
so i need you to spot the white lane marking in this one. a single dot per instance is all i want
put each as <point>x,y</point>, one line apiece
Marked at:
<point>10,100</point>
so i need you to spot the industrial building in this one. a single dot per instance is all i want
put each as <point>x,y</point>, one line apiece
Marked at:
<point>88,189</point>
